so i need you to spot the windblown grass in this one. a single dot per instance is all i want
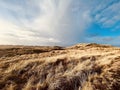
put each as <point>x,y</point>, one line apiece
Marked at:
<point>80,67</point>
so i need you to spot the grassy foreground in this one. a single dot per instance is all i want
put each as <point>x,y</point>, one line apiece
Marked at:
<point>79,67</point>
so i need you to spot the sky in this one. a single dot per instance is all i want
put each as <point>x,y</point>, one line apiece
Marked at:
<point>59,22</point>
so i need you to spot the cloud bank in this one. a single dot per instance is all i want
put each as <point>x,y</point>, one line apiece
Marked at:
<point>54,22</point>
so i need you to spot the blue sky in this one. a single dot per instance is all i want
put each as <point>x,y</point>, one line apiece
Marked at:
<point>59,22</point>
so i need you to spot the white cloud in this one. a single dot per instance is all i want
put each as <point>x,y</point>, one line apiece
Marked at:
<point>56,23</point>
<point>13,34</point>
<point>59,21</point>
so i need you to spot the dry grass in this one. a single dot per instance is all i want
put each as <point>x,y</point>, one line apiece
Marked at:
<point>80,67</point>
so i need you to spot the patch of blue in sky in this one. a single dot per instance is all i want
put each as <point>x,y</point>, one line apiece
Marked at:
<point>98,30</point>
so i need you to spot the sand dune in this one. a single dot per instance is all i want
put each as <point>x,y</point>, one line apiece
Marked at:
<point>79,67</point>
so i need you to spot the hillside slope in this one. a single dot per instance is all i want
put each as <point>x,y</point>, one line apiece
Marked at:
<point>79,67</point>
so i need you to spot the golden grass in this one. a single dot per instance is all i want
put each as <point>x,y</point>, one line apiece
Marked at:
<point>80,67</point>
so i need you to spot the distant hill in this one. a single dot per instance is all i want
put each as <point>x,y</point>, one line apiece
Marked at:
<point>80,67</point>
